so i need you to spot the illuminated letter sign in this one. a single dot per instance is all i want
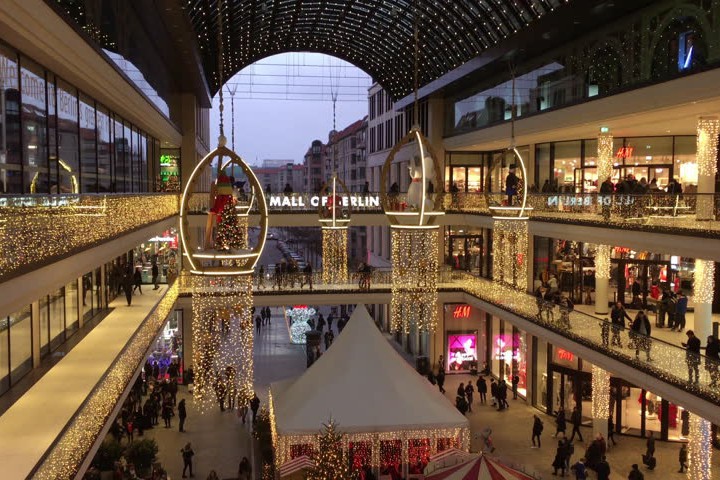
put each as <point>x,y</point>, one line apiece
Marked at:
<point>625,152</point>
<point>565,355</point>
<point>461,311</point>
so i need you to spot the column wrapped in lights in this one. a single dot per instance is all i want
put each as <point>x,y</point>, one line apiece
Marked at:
<point>414,279</point>
<point>600,400</point>
<point>703,292</point>
<point>604,155</point>
<point>708,129</point>
<point>602,278</point>
<point>699,449</point>
<point>334,255</point>
<point>222,329</point>
<point>510,244</point>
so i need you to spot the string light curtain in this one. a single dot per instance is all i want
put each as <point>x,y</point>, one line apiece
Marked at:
<point>222,330</point>
<point>707,150</point>
<point>699,449</point>
<point>604,156</point>
<point>510,245</point>
<point>414,279</point>
<point>600,394</point>
<point>334,255</point>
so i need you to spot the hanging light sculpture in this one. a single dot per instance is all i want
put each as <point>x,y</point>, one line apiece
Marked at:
<point>222,271</point>
<point>334,220</point>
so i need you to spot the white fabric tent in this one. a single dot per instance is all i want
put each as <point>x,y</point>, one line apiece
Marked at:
<point>365,386</point>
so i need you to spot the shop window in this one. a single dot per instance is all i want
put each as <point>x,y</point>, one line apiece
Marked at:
<point>567,163</point>
<point>71,307</point>
<point>88,145</point>
<point>87,296</point>
<point>20,343</point>
<point>685,168</point>
<point>104,152</point>
<point>34,128</point>
<point>44,326</point>
<point>68,134</point>
<point>540,387</point>
<point>56,312</point>
<point>543,178</point>
<point>10,161</point>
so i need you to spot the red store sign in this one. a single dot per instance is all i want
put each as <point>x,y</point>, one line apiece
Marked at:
<point>461,311</point>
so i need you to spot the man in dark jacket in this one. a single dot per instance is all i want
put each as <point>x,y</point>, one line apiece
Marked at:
<point>618,316</point>
<point>641,335</point>
<point>692,356</point>
<point>603,469</point>
<point>482,389</point>
<point>155,275</point>
<point>576,420</point>
<point>606,190</point>
<point>680,311</point>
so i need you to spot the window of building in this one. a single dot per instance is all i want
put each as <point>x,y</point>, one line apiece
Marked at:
<point>88,146</point>
<point>104,150</point>
<point>34,128</point>
<point>10,161</point>
<point>20,324</point>
<point>68,138</point>
<point>72,322</point>
<point>56,311</point>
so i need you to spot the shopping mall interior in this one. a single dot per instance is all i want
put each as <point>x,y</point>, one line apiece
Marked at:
<point>529,208</point>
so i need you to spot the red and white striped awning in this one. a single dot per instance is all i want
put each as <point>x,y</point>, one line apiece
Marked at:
<point>450,452</point>
<point>302,462</point>
<point>479,468</point>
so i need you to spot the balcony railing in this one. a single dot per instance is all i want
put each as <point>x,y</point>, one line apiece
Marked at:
<point>38,229</point>
<point>667,361</point>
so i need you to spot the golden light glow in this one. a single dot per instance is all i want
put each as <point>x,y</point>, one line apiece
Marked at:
<point>604,156</point>
<point>600,393</point>
<point>334,255</point>
<point>36,229</point>
<point>65,458</point>
<point>510,252</point>
<point>704,281</point>
<point>699,449</point>
<point>602,261</point>
<point>414,279</point>
<point>222,329</point>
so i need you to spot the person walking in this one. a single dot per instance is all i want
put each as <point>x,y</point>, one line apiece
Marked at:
<point>680,312</point>
<point>650,446</point>
<point>493,392</point>
<point>515,383</point>
<point>182,414</point>
<point>559,460</point>
<point>611,431</point>
<point>635,473</point>
<point>617,317</point>
<point>469,390</point>
<point>137,280</point>
<point>461,404</point>
<point>576,421</point>
<point>155,275</point>
<point>712,359</point>
<point>127,287</point>
<point>167,412</point>
<point>536,431</point>
<point>560,422</point>
<point>482,390</point>
<point>254,406</point>
<point>580,469</point>
<point>603,469</point>
<point>187,456</point>
<point>502,395</point>
<point>640,332</point>
<point>258,324</point>
<point>683,457</point>
<point>244,469</point>
<point>440,378</point>
<point>692,356</point>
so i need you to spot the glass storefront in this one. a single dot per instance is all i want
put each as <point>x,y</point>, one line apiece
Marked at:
<point>15,347</point>
<point>59,140</point>
<point>571,167</point>
<point>465,338</point>
<point>162,250</point>
<point>467,250</point>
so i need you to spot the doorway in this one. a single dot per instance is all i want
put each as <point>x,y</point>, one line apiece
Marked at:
<point>465,252</point>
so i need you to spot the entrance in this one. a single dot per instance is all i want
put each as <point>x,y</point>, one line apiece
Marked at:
<point>648,273</point>
<point>569,389</point>
<point>465,252</point>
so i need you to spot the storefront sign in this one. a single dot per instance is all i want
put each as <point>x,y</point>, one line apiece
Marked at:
<point>625,152</point>
<point>461,311</point>
<point>564,355</point>
<point>588,200</point>
<point>360,201</point>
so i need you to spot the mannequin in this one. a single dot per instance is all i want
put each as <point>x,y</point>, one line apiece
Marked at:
<point>222,193</point>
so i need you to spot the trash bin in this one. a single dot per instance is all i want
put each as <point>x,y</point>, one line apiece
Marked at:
<point>422,365</point>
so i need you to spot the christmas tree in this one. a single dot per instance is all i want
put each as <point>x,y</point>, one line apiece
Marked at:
<point>330,463</point>
<point>229,235</point>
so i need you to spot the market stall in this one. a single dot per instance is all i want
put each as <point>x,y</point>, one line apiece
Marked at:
<point>392,417</point>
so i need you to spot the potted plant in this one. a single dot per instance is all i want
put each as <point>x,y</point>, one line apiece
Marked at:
<point>142,454</point>
<point>108,453</point>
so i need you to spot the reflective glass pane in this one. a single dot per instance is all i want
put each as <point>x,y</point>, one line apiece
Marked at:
<point>10,159</point>
<point>21,343</point>
<point>104,150</point>
<point>57,318</point>
<point>88,154</point>
<point>71,307</point>
<point>68,138</point>
<point>34,128</point>
<point>4,354</point>
<point>44,326</point>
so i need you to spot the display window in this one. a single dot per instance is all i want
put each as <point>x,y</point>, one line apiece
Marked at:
<point>162,250</point>
<point>462,351</point>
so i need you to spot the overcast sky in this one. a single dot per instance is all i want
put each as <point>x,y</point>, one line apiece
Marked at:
<point>284,102</point>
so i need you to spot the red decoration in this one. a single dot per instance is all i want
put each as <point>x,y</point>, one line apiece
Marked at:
<point>461,311</point>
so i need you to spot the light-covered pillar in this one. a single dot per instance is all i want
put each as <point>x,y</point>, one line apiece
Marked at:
<point>600,400</point>
<point>602,279</point>
<point>707,151</point>
<point>703,291</point>
<point>604,155</point>
<point>699,449</point>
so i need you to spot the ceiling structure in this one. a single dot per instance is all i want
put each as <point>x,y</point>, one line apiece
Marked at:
<point>374,35</point>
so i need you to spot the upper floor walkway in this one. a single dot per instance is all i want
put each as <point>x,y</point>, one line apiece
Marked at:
<point>587,336</point>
